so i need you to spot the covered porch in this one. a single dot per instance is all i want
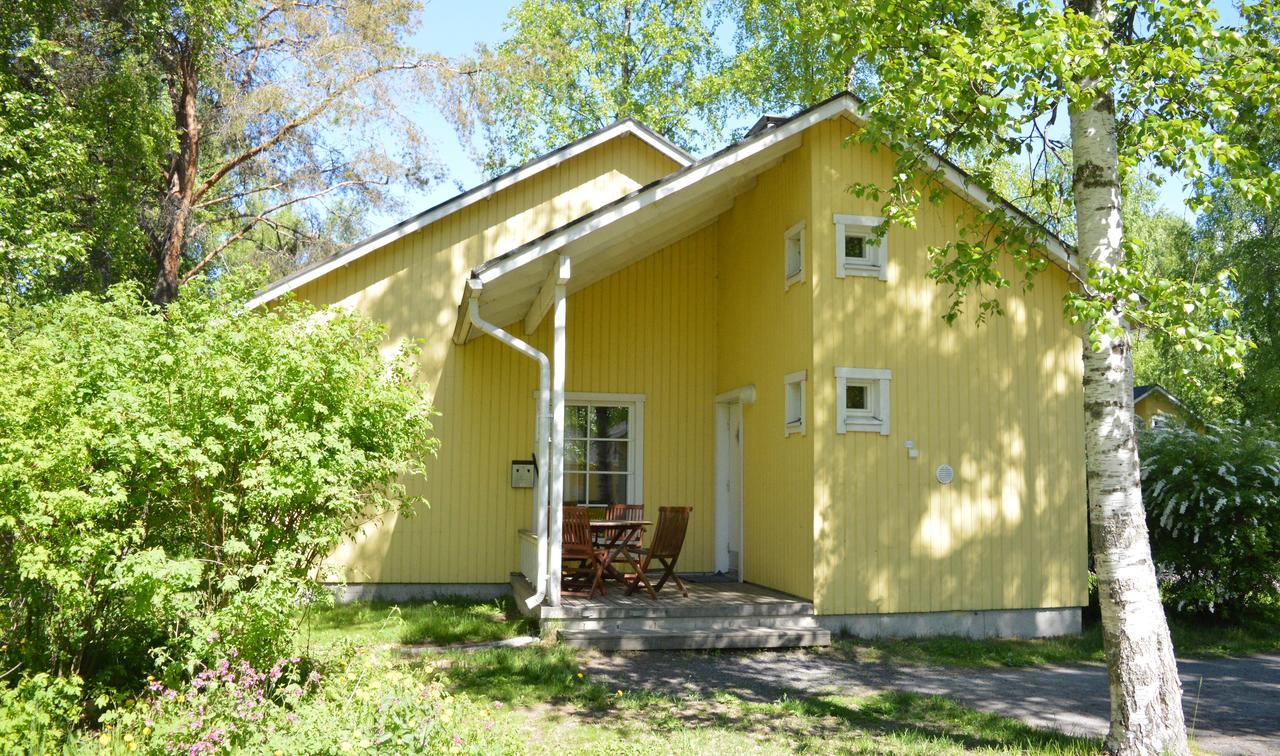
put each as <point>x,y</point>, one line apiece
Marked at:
<point>643,342</point>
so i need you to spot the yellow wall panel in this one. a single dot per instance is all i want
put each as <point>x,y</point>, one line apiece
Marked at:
<point>1001,403</point>
<point>765,333</point>
<point>650,329</point>
<point>483,391</point>
<point>1155,404</point>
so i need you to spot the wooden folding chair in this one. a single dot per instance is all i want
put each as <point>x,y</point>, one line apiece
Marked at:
<point>576,546</point>
<point>626,513</point>
<point>667,542</point>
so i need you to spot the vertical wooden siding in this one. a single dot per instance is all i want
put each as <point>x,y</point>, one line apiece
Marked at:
<point>651,329</point>
<point>1001,403</point>
<point>1155,404</point>
<point>764,334</point>
<point>483,391</point>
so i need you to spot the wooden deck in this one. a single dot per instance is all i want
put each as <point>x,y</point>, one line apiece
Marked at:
<point>705,598</point>
<point>717,614</point>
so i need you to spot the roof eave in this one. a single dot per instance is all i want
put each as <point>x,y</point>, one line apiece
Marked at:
<point>307,274</point>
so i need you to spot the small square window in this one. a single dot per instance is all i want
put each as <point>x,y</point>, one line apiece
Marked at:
<point>863,396</point>
<point>794,255</point>
<point>794,386</point>
<point>855,247</point>
<point>859,251</point>
<point>857,397</point>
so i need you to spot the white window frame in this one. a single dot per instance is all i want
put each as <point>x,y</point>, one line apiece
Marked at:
<point>793,234</point>
<point>877,264</point>
<point>874,420</point>
<point>799,379</point>
<point>635,445</point>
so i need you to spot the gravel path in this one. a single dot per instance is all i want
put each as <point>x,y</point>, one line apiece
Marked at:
<point>1234,703</point>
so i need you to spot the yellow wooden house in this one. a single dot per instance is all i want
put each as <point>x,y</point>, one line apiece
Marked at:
<point>728,333</point>
<point>1154,406</point>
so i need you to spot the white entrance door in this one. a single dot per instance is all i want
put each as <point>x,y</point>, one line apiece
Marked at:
<point>729,481</point>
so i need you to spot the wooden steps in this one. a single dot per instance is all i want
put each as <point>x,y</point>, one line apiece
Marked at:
<point>668,639</point>
<point>716,615</point>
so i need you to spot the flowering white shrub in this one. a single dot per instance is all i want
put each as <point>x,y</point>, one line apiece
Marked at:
<point>1213,509</point>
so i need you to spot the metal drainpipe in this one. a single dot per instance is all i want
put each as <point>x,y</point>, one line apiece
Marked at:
<point>543,431</point>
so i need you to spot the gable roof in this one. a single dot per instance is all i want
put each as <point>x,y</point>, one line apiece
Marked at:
<point>473,195</point>
<point>1152,389</point>
<point>718,176</point>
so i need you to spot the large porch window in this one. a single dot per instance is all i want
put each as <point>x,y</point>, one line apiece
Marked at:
<point>602,449</point>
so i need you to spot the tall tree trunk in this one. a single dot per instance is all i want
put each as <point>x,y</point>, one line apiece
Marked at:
<point>175,207</point>
<point>1146,695</point>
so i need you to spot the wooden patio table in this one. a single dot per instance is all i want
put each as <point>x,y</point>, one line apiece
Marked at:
<point>616,532</point>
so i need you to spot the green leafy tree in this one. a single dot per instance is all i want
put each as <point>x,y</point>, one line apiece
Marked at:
<point>573,66</point>
<point>168,485</point>
<point>790,54</point>
<point>1174,249</point>
<point>1141,84</point>
<point>1246,237</point>
<point>42,163</point>
<point>212,118</point>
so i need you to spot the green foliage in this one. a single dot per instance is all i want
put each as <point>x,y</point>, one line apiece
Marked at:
<point>1213,510</point>
<point>349,699</point>
<point>43,162</point>
<point>573,66</point>
<point>38,713</point>
<point>168,484</point>
<point>987,82</point>
<point>298,117</point>
<point>83,140</point>
<point>790,55</point>
<point>1239,234</point>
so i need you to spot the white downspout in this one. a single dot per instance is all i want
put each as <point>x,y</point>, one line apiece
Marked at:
<point>542,433</point>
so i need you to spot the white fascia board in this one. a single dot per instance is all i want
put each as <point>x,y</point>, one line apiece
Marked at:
<point>664,188</point>
<point>845,105</point>
<point>468,198</point>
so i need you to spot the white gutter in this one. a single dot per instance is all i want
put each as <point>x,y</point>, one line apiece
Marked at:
<point>542,434</point>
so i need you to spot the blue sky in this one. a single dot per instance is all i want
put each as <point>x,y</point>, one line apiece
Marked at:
<point>455,27</point>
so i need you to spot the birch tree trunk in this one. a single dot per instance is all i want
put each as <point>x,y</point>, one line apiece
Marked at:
<point>1146,695</point>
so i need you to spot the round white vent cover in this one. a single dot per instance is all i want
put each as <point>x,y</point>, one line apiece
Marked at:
<point>945,474</point>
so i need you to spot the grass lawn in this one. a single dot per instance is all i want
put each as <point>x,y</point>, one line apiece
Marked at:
<point>542,699</point>
<point>1192,637</point>
<point>887,723</point>
<point>441,622</point>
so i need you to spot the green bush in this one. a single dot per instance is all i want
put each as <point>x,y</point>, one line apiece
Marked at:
<point>350,699</point>
<point>170,481</point>
<point>1213,509</point>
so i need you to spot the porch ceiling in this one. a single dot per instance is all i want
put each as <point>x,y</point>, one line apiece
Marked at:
<point>615,236</point>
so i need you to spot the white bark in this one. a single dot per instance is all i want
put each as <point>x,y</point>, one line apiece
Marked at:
<point>1146,696</point>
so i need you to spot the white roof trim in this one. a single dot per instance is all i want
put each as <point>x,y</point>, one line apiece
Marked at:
<point>483,191</point>
<point>1155,388</point>
<point>845,105</point>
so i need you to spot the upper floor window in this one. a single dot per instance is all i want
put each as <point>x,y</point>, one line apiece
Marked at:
<point>793,246</point>
<point>859,252</point>
<point>862,400</point>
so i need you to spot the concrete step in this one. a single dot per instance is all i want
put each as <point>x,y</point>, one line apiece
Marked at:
<point>683,623</point>
<point>655,640</point>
